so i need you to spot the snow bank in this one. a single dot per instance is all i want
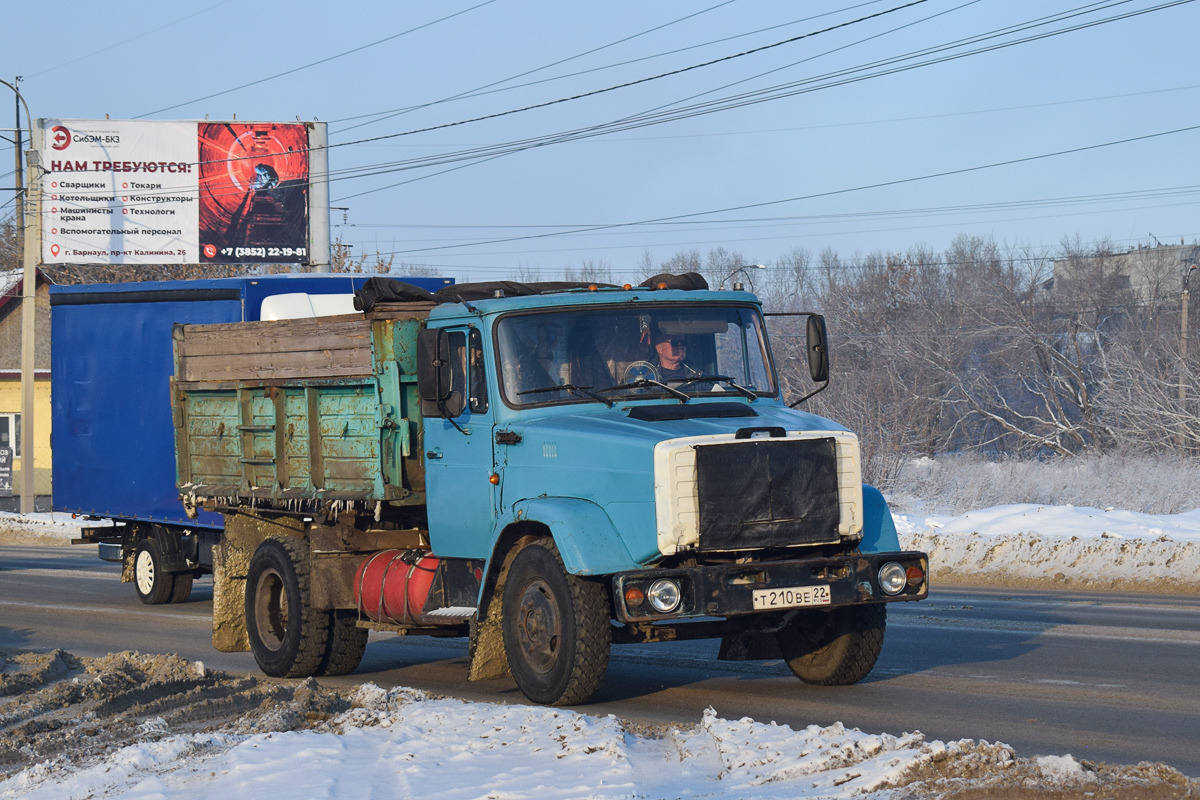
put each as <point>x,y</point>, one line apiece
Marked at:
<point>1030,544</point>
<point>58,527</point>
<point>401,744</point>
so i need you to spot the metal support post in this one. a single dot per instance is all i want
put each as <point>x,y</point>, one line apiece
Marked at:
<point>20,197</point>
<point>319,256</point>
<point>33,253</point>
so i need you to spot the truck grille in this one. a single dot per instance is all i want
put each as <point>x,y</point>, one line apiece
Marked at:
<point>765,493</point>
<point>718,492</point>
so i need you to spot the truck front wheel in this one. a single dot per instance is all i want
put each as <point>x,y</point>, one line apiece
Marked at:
<point>154,584</point>
<point>836,647</point>
<point>287,635</point>
<point>556,628</point>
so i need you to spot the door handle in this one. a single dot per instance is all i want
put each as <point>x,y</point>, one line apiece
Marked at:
<point>434,453</point>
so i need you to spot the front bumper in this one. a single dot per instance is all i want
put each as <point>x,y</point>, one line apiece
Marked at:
<point>727,590</point>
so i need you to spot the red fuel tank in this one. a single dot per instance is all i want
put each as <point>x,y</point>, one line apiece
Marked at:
<point>391,585</point>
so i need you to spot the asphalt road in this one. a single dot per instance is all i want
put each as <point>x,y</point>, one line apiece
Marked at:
<point>1100,676</point>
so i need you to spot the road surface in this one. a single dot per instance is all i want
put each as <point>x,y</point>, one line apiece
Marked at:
<point>1100,676</point>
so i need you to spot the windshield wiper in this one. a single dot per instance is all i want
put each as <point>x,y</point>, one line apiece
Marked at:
<point>569,387</point>
<point>742,390</point>
<point>642,383</point>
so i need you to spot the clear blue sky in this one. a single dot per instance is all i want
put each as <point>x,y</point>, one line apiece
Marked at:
<point>1127,78</point>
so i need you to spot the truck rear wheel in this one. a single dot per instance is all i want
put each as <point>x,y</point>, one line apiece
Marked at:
<point>556,628</point>
<point>836,647</point>
<point>154,584</point>
<point>347,643</point>
<point>183,587</point>
<point>287,635</point>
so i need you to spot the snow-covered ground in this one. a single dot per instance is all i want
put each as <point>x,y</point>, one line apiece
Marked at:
<point>56,526</point>
<point>1041,544</point>
<point>403,744</point>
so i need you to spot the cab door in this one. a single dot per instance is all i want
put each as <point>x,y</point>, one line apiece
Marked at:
<point>460,497</point>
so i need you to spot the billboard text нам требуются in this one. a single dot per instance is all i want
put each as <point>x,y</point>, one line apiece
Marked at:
<point>165,192</point>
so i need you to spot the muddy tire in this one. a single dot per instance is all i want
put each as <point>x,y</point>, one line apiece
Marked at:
<point>183,587</point>
<point>556,628</point>
<point>347,644</point>
<point>287,635</point>
<point>154,585</point>
<point>834,648</point>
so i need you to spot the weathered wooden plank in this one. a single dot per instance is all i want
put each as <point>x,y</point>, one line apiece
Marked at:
<point>278,366</point>
<point>400,310</point>
<point>264,338</point>
<point>342,320</point>
<point>227,447</point>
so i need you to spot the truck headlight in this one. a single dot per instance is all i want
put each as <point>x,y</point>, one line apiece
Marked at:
<point>664,595</point>
<point>892,577</point>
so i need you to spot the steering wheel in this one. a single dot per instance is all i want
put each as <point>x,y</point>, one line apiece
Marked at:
<point>639,370</point>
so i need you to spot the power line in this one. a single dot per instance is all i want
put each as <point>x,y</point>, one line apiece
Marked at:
<point>640,81</point>
<point>395,112</point>
<point>833,192</point>
<point>853,124</point>
<point>685,69</point>
<point>479,92</point>
<point>318,62</point>
<point>816,218</point>
<point>810,58</point>
<point>369,170</point>
<point>794,236</point>
<point>848,76</point>
<point>723,104</point>
<point>130,39</point>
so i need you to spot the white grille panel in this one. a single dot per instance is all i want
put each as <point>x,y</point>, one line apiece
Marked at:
<point>677,507</point>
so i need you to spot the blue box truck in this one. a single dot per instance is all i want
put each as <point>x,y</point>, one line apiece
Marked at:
<point>113,435</point>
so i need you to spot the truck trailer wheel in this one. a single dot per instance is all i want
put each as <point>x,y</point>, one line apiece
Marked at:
<point>836,647</point>
<point>556,628</point>
<point>154,584</point>
<point>287,635</point>
<point>183,587</point>
<point>347,643</point>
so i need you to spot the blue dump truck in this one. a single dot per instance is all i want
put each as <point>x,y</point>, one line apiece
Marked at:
<point>547,469</point>
<point>113,437</point>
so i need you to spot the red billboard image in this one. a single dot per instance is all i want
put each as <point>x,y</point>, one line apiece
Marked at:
<point>253,192</point>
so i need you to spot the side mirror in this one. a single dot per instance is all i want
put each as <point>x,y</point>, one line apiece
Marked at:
<point>818,349</point>
<point>435,374</point>
<point>433,365</point>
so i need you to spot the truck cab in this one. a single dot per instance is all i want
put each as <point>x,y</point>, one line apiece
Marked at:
<point>554,470</point>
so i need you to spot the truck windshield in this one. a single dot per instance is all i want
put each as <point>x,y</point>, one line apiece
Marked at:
<point>595,355</point>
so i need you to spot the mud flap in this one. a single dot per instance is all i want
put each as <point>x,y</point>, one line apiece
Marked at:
<point>486,651</point>
<point>231,564</point>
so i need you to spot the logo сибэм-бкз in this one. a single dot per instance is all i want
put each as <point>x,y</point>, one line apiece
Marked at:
<point>62,137</point>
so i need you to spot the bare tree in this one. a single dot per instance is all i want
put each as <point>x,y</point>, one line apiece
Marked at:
<point>597,270</point>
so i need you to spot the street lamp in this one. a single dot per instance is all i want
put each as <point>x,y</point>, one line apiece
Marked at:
<point>737,287</point>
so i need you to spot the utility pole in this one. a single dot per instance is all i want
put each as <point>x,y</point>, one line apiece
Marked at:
<point>33,254</point>
<point>31,210</point>
<point>318,198</point>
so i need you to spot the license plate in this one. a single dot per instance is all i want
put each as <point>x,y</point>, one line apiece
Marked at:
<point>791,597</point>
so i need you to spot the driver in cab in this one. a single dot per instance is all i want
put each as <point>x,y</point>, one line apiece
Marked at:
<point>671,356</point>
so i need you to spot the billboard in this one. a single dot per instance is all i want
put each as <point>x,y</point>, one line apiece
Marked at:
<point>168,192</point>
